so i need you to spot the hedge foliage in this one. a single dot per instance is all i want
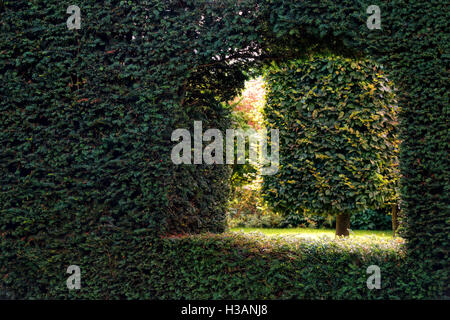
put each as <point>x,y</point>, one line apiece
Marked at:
<point>232,266</point>
<point>372,220</point>
<point>339,139</point>
<point>86,117</point>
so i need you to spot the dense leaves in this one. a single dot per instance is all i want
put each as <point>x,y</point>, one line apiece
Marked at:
<point>232,266</point>
<point>86,118</point>
<point>339,143</point>
<point>371,220</point>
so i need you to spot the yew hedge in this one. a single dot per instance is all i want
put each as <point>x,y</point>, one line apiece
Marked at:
<point>86,117</point>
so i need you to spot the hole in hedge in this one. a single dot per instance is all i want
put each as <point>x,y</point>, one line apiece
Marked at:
<point>338,122</point>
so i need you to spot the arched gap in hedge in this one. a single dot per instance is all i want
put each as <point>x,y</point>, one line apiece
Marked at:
<point>292,29</point>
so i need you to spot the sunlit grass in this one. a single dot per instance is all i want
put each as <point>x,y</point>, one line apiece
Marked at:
<point>314,233</point>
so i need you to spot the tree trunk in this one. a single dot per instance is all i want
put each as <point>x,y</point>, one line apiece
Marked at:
<point>343,224</point>
<point>394,218</point>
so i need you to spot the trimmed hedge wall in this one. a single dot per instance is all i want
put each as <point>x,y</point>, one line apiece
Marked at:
<point>229,266</point>
<point>86,118</point>
<point>86,123</point>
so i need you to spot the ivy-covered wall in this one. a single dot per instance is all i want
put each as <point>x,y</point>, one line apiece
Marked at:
<point>86,117</point>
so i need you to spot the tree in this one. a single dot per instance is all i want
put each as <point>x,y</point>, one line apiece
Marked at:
<point>338,137</point>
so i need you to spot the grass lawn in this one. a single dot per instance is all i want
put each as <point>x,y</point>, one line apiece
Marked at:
<point>313,233</point>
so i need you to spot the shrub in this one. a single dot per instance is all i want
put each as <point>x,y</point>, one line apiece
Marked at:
<point>268,220</point>
<point>308,219</point>
<point>363,220</point>
<point>247,209</point>
<point>371,220</point>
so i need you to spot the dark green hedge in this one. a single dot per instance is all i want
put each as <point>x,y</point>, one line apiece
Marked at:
<point>228,267</point>
<point>365,220</point>
<point>86,118</point>
<point>372,220</point>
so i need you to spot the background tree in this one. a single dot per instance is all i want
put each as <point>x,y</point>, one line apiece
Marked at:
<point>246,110</point>
<point>338,137</point>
